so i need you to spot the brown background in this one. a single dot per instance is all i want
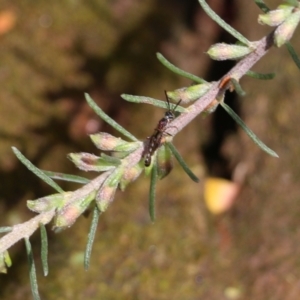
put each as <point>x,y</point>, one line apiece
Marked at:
<point>53,52</point>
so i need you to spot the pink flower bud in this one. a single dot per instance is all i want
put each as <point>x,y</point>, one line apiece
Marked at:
<point>107,142</point>
<point>69,214</point>
<point>284,32</point>
<point>189,94</point>
<point>275,17</point>
<point>131,175</point>
<point>222,51</point>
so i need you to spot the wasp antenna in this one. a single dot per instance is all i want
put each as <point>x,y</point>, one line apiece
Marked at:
<point>177,105</point>
<point>168,101</point>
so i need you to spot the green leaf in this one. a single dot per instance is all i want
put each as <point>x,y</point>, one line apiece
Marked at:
<point>66,177</point>
<point>39,173</point>
<point>7,259</point>
<point>111,159</point>
<point>237,87</point>
<point>50,202</point>
<point>5,262</point>
<point>253,137</point>
<point>293,54</point>
<point>108,119</point>
<point>223,24</point>
<point>44,249</point>
<point>153,182</point>
<point>261,76</point>
<point>261,4</point>
<point>90,162</point>
<point>32,271</point>
<point>182,162</point>
<point>91,238</point>
<point>5,229</point>
<point>178,71</point>
<point>294,3</point>
<point>152,101</point>
<point>164,161</point>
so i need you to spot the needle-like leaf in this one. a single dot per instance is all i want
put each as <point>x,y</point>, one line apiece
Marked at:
<point>250,133</point>
<point>152,191</point>
<point>39,173</point>
<point>178,71</point>
<point>32,270</point>
<point>261,4</point>
<point>44,249</point>
<point>91,238</point>
<point>237,87</point>
<point>66,177</point>
<point>152,101</point>
<point>182,162</point>
<point>223,24</point>
<point>293,54</point>
<point>108,119</point>
<point>267,76</point>
<point>5,229</point>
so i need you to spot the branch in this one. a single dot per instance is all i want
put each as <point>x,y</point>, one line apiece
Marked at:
<point>126,161</point>
<point>25,230</point>
<point>240,69</point>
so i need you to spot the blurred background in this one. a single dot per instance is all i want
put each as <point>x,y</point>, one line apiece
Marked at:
<point>235,235</point>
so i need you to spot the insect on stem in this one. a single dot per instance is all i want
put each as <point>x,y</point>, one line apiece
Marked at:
<point>155,140</point>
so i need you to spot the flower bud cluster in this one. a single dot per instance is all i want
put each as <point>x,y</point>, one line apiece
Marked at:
<point>70,205</point>
<point>68,209</point>
<point>286,18</point>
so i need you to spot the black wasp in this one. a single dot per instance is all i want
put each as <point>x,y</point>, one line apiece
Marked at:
<point>159,131</point>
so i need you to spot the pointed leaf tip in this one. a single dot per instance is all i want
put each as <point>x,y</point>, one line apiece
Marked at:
<point>248,131</point>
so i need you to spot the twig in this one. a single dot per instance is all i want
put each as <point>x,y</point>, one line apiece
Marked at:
<point>236,72</point>
<point>25,230</point>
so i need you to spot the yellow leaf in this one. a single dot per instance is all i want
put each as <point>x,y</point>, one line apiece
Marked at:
<point>219,194</point>
<point>7,21</point>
